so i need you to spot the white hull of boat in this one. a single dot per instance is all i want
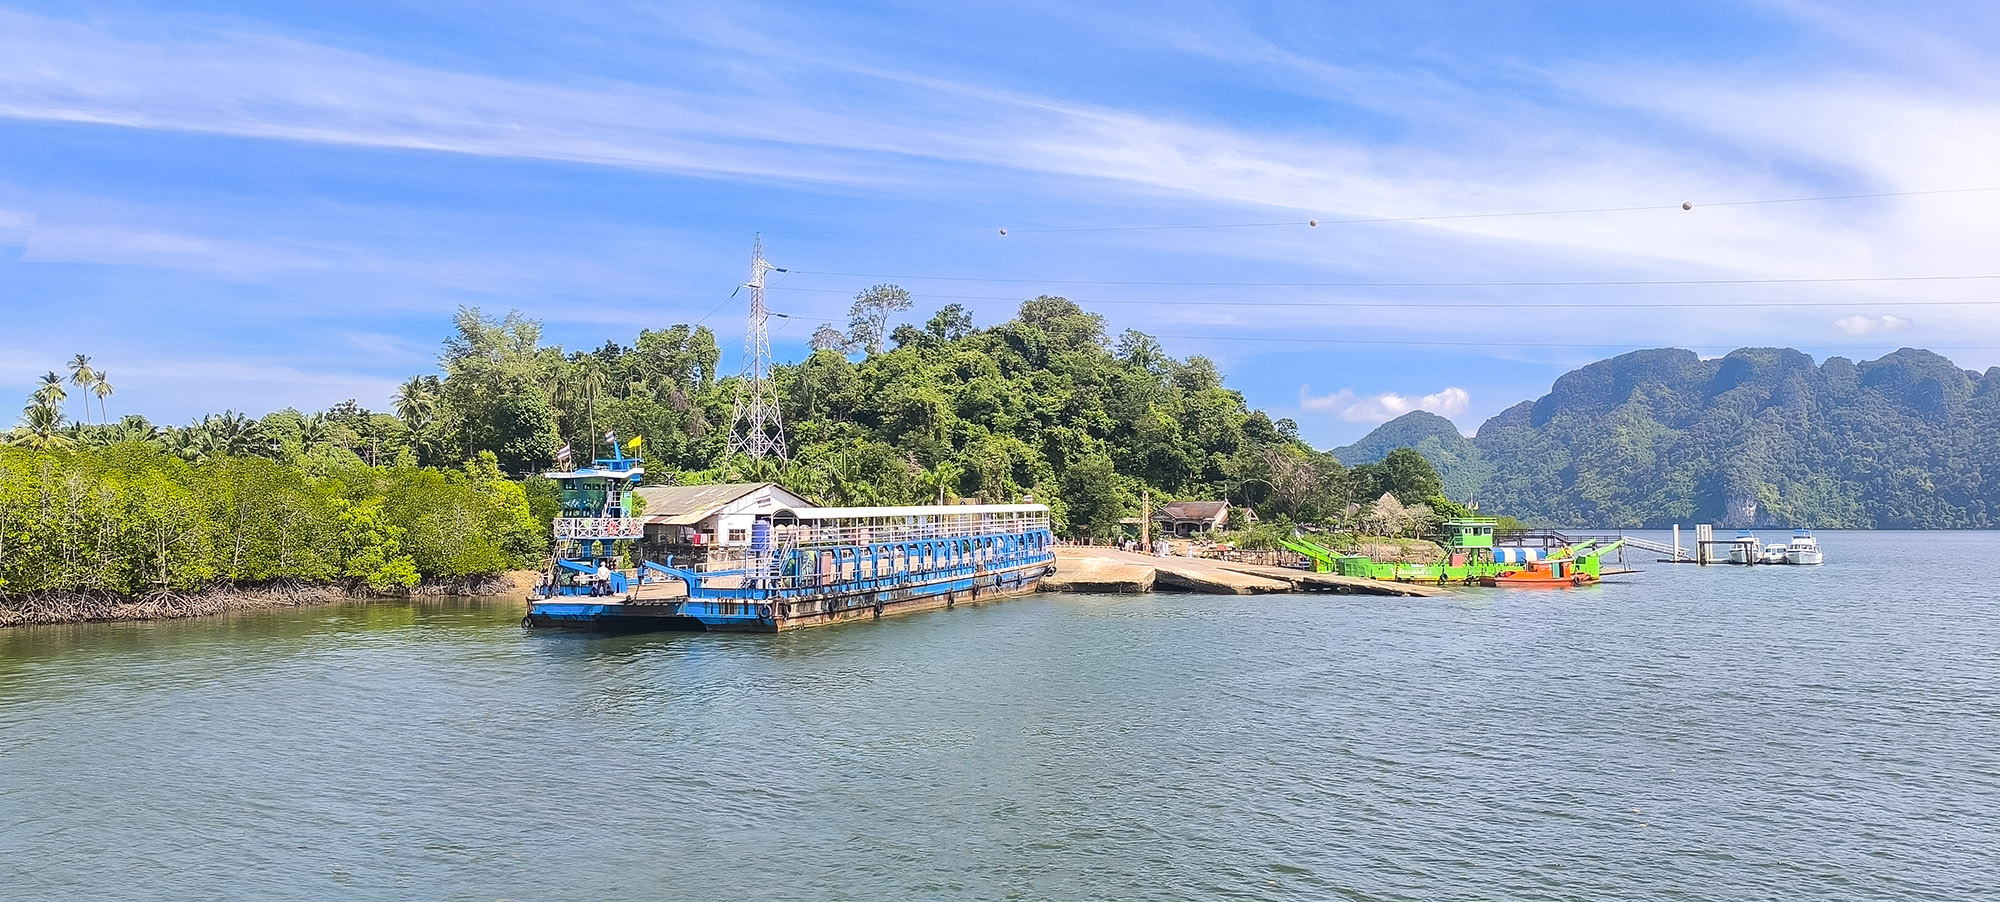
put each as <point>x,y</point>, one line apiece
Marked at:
<point>1804,558</point>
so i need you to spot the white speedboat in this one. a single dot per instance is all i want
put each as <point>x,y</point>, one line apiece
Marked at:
<point>1804,549</point>
<point>1744,549</point>
<point>1774,553</point>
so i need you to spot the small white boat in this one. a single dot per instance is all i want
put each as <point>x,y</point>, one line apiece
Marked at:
<point>1774,553</point>
<point>1804,549</point>
<point>1743,550</point>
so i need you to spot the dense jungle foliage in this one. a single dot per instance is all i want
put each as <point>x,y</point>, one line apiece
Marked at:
<point>129,518</point>
<point>1043,405</point>
<point>1760,437</point>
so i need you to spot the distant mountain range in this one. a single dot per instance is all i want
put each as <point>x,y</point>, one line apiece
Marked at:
<point>1760,437</point>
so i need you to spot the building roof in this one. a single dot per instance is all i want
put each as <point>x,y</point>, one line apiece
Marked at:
<point>915,510</point>
<point>1193,510</point>
<point>686,505</point>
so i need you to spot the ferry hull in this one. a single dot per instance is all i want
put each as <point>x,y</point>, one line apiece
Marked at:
<point>796,611</point>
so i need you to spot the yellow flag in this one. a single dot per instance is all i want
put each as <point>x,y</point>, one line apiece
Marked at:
<point>633,445</point>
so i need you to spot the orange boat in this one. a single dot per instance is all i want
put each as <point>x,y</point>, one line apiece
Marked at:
<point>1560,573</point>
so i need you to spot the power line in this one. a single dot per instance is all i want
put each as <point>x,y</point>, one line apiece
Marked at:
<point>732,295</point>
<point>1539,305</point>
<point>733,254</point>
<point>1602,283</point>
<point>1683,206</point>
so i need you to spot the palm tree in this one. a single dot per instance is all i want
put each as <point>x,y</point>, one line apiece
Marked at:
<point>128,429</point>
<point>82,376</point>
<point>40,428</point>
<point>51,393</point>
<point>416,402</point>
<point>312,432</point>
<point>101,386</point>
<point>237,435</point>
<point>226,434</point>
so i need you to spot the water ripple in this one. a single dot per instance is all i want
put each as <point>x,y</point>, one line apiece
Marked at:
<point>1696,734</point>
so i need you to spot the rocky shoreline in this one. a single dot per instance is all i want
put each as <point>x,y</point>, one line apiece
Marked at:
<point>87,607</point>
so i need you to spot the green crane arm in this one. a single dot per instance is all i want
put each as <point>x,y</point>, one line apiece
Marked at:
<point>1322,559</point>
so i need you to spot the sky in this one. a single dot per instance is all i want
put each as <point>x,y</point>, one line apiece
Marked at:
<point>258,206</point>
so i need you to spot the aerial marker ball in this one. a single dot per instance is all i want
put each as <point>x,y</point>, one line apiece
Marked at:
<point>1003,231</point>
<point>1687,205</point>
<point>1313,222</point>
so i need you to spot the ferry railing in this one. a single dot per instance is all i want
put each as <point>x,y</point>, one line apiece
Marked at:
<point>599,528</point>
<point>948,527</point>
<point>871,555</point>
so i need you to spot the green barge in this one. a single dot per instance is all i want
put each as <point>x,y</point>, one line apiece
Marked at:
<point>1470,557</point>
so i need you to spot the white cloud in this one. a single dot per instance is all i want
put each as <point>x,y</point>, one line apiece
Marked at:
<point>826,113</point>
<point>858,123</point>
<point>259,86</point>
<point>1353,408</point>
<point>111,244</point>
<point>1867,325</point>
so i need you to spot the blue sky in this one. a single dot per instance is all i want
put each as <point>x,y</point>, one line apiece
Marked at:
<point>255,206</point>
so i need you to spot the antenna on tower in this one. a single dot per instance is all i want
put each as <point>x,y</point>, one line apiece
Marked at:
<point>757,429</point>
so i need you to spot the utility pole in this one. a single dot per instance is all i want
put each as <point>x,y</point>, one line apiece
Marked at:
<point>1146,520</point>
<point>756,429</point>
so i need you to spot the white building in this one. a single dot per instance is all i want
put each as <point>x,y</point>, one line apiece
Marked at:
<point>710,516</point>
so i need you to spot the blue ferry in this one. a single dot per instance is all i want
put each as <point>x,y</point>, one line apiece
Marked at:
<point>803,566</point>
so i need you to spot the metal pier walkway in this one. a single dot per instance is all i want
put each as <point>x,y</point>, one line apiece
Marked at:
<point>1549,538</point>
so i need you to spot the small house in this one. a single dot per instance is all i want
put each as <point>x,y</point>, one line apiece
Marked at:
<point>1186,518</point>
<point>689,520</point>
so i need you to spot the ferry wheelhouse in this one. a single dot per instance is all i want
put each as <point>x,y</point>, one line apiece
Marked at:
<point>812,566</point>
<point>596,515</point>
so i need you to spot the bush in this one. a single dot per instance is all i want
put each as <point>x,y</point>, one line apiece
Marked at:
<point>132,519</point>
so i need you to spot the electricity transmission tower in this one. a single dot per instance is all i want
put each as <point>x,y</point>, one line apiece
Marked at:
<point>757,430</point>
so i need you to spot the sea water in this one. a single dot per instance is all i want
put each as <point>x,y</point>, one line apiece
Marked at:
<point>1718,733</point>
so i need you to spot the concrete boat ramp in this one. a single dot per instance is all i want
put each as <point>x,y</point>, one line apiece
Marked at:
<point>1101,569</point>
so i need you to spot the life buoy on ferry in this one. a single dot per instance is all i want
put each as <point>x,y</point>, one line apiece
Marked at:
<point>763,612</point>
<point>1576,580</point>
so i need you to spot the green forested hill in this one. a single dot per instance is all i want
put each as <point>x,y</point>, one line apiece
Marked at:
<point>1762,436</point>
<point>1458,461</point>
<point>1046,404</point>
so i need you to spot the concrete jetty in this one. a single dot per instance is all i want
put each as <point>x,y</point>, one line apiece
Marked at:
<point>1103,569</point>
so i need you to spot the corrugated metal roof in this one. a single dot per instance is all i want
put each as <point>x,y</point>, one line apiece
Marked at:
<point>686,505</point>
<point>1194,510</point>
<point>917,510</point>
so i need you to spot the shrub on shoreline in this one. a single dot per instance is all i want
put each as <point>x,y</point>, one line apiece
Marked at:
<point>131,520</point>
